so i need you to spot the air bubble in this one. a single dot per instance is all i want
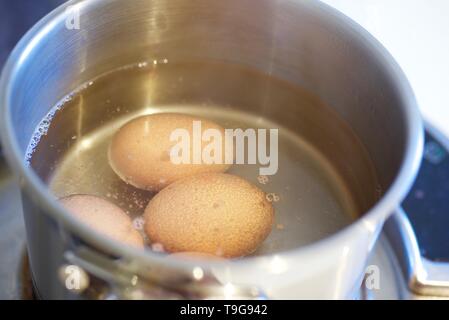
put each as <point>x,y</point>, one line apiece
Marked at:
<point>139,223</point>
<point>157,247</point>
<point>263,179</point>
<point>272,197</point>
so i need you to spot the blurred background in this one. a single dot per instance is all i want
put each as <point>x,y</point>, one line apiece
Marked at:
<point>16,17</point>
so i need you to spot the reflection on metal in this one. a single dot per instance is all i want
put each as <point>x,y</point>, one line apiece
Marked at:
<point>118,280</point>
<point>424,277</point>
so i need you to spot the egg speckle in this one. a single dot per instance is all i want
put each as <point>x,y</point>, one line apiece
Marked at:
<point>140,151</point>
<point>213,213</point>
<point>104,217</point>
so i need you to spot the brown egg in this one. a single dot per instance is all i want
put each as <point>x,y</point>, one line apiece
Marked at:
<point>140,151</point>
<point>215,213</point>
<point>104,217</point>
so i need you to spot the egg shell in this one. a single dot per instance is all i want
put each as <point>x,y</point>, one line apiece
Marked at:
<point>104,217</point>
<point>140,151</point>
<point>196,256</point>
<point>215,213</point>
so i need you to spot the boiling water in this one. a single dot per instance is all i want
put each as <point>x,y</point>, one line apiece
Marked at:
<point>69,151</point>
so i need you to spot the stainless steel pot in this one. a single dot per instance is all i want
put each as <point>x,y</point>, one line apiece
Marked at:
<point>303,42</point>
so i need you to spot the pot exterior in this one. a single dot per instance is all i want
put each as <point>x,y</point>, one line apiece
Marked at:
<point>46,245</point>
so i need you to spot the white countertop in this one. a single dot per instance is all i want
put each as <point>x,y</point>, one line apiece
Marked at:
<point>416,32</point>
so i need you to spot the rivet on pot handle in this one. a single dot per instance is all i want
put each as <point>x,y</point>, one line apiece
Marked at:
<point>117,282</point>
<point>122,283</point>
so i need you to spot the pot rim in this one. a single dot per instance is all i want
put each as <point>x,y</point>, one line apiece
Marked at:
<point>389,202</point>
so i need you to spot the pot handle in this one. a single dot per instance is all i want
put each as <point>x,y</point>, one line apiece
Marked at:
<point>424,277</point>
<point>121,281</point>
